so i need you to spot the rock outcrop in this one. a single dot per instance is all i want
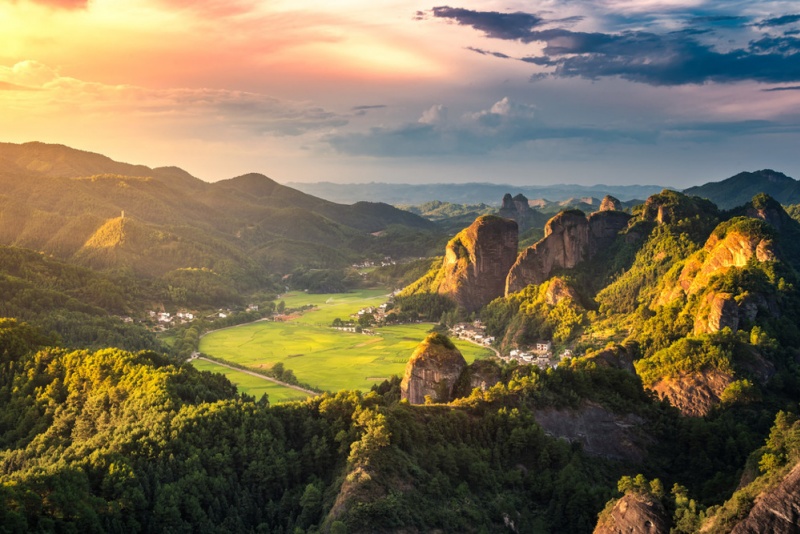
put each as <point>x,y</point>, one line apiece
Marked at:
<point>610,203</point>
<point>601,432</point>
<point>614,356</point>
<point>559,289</point>
<point>694,394</point>
<point>670,206</point>
<point>776,511</point>
<point>518,209</point>
<point>734,244</point>
<point>477,261</point>
<point>433,370</point>
<point>569,238</point>
<point>635,513</point>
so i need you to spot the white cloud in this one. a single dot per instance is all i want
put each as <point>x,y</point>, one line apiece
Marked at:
<point>434,115</point>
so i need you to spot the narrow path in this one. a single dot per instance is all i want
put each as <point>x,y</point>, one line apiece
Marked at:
<point>496,352</point>
<point>251,373</point>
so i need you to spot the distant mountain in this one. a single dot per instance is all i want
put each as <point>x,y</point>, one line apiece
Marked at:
<point>88,209</point>
<point>471,193</point>
<point>739,189</point>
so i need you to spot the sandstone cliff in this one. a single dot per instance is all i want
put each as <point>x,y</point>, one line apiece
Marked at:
<point>734,244</point>
<point>694,394</point>
<point>569,238</point>
<point>610,203</point>
<point>777,510</point>
<point>433,370</point>
<point>518,209</point>
<point>477,261</point>
<point>635,514</point>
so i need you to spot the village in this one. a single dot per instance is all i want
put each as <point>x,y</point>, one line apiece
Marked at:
<point>540,354</point>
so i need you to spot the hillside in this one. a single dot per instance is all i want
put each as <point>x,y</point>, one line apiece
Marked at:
<point>85,208</point>
<point>739,189</point>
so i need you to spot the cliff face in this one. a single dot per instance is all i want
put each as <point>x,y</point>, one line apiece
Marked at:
<point>777,510</point>
<point>610,203</point>
<point>735,244</point>
<point>719,254</point>
<point>635,514</point>
<point>477,261</point>
<point>696,393</point>
<point>601,432</point>
<point>518,209</point>
<point>434,370</point>
<point>569,238</point>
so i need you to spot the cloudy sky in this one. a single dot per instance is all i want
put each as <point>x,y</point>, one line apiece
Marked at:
<point>669,92</point>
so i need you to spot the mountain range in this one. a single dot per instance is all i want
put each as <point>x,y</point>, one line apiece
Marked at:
<point>664,398</point>
<point>89,209</point>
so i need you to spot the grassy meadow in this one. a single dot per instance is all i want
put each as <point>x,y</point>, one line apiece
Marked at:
<point>319,355</point>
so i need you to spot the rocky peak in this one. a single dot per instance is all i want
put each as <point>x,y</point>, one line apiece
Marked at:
<point>767,209</point>
<point>670,206</point>
<point>734,243</point>
<point>569,238</point>
<point>433,370</point>
<point>518,209</point>
<point>610,203</point>
<point>477,261</point>
<point>635,513</point>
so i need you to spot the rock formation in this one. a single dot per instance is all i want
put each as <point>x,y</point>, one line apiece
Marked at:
<point>635,513</point>
<point>477,261</point>
<point>559,289</point>
<point>518,209</point>
<point>569,238</point>
<point>735,243</point>
<point>614,356</point>
<point>670,206</point>
<point>777,510</point>
<point>601,432</point>
<point>610,203</point>
<point>481,374</point>
<point>433,370</point>
<point>694,394</point>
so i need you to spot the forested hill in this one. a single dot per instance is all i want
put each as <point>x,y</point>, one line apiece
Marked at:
<point>86,208</point>
<point>738,189</point>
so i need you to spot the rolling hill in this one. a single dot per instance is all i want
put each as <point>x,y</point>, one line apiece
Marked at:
<point>739,189</point>
<point>88,209</point>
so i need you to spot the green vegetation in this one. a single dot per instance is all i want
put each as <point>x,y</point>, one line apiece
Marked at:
<point>319,355</point>
<point>529,316</point>
<point>252,385</point>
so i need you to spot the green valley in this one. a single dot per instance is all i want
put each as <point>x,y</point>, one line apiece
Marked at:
<point>319,355</point>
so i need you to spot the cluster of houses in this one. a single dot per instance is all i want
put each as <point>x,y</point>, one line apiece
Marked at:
<point>366,264</point>
<point>540,355</point>
<point>474,332</point>
<point>378,312</point>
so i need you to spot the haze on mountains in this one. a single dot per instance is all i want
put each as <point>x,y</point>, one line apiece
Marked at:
<point>678,409</point>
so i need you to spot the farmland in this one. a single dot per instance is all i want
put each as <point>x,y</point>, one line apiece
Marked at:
<point>319,355</point>
<point>252,385</point>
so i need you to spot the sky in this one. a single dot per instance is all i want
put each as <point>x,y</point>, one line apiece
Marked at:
<point>667,92</point>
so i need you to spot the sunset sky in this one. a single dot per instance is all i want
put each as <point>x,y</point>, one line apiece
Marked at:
<point>669,92</point>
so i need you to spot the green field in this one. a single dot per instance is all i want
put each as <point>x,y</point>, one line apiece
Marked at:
<point>252,385</point>
<point>319,355</point>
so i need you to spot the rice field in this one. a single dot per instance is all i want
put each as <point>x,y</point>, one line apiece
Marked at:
<point>319,355</point>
